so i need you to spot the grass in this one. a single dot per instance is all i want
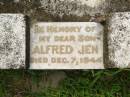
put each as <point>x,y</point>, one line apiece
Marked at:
<point>91,83</point>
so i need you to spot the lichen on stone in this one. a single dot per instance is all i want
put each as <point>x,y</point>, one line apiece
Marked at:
<point>119,39</point>
<point>12,41</point>
<point>75,7</point>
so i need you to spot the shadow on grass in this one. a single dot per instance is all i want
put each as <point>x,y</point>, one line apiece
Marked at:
<point>89,83</point>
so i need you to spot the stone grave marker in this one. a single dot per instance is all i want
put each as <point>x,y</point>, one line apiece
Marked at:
<point>12,41</point>
<point>119,39</point>
<point>66,45</point>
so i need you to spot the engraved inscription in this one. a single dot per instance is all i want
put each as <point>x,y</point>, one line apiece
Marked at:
<point>76,45</point>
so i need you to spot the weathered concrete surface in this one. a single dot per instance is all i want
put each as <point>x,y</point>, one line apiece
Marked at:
<point>119,39</point>
<point>37,11</point>
<point>12,41</point>
<point>75,7</point>
<point>65,10</point>
<point>119,5</point>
